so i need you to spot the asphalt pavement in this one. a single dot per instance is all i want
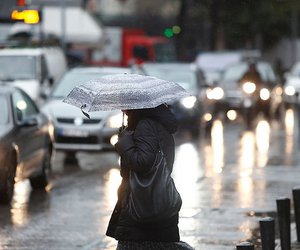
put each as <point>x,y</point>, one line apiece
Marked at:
<point>228,183</point>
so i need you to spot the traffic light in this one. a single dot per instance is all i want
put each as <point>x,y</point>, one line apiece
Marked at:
<point>29,16</point>
<point>170,32</point>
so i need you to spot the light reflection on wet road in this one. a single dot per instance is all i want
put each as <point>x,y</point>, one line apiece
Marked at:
<point>222,179</point>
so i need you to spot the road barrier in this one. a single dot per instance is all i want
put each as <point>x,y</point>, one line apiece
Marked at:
<point>267,232</point>
<point>245,246</point>
<point>267,225</point>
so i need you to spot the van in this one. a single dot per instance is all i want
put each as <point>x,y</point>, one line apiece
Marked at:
<point>32,69</point>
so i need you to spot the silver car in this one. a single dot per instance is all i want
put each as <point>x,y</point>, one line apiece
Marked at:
<point>292,85</point>
<point>72,130</point>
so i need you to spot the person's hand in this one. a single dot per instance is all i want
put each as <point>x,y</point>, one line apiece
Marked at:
<point>121,129</point>
<point>125,141</point>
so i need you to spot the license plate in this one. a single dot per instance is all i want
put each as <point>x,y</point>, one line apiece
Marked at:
<point>75,132</point>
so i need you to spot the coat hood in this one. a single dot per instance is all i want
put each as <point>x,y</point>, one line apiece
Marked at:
<point>161,114</point>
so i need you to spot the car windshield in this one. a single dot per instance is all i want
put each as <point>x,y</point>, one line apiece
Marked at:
<point>70,80</point>
<point>235,72</point>
<point>3,110</point>
<point>186,78</point>
<point>25,65</point>
<point>296,70</point>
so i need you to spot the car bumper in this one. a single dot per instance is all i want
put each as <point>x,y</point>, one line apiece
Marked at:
<point>291,99</point>
<point>70,139</point>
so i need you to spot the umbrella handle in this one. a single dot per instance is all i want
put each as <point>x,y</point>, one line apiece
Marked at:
<point>123,127</point>
<point>83,112</point>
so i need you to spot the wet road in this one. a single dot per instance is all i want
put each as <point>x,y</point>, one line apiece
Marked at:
<point>227,181</point>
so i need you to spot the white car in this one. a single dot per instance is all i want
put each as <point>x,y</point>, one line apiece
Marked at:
<point>292,85</point>
<point>73,131</point>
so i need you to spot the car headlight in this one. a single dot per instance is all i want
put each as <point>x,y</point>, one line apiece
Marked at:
<point>115,121</point>
<point>249,87</point>
<point>289,90</point>
<point>216,93</point>
<point>188,102</point>
<point>264,94</point>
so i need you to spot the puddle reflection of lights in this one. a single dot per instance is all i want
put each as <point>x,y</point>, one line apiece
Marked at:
<point>217,143</point>
<point>247,228</point>
<point>246,156</point>
<point>289,130</point>
<point>187,172</point>
<point>19,210</point>
<point>113,182</point>
<point>245,191</point>
<point>289,122</point>
<point>262,142</point>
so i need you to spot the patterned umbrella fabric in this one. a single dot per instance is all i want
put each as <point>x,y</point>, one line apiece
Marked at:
<point>124,91</point>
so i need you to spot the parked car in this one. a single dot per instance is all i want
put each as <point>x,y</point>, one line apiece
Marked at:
<point>25,142</point>
<point>32,69</point>
<point>189,111</point>
<point>248,97</point>
<point>292,85</point>
<point>73,131</point>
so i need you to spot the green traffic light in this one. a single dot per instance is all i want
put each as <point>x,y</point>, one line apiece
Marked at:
<point>168,32</point>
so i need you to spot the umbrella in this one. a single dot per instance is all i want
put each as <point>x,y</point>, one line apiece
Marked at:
<point>124,91</point>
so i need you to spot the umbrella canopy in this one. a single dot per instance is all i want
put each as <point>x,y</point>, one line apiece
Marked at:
<point>124,91</point>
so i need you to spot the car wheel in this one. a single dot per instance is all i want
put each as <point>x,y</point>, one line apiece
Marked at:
<point>41,181</point>
<point>7,186</point>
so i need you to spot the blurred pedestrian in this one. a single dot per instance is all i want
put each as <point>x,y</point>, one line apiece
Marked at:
<point>252,75</point>
<point>148,131</point>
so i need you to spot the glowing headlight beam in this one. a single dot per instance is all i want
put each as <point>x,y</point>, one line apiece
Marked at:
<point>188,102</point>
<point>249,87</point>
<point>290,90</point>
<point>264,94</point>
<point>215,93</point>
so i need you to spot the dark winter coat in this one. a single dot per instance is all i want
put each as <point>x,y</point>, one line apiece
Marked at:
<point>138,150</point>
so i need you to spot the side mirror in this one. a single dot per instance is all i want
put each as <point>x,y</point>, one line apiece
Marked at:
<point>29,122</point>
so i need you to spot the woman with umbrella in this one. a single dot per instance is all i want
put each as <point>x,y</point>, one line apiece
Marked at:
<point>147,211</point>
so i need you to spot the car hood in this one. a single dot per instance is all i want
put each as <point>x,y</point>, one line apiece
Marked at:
<point>57,108</point>
<point>293,81</point>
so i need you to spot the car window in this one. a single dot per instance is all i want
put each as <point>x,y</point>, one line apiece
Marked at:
<point>235,72</point>
<point>23,106</point>
<point>266,72</point>
<point>296,70</point>
<point>26,66</point>
<point>186,78</point>
<point>69,81</point>
<point>3,110</point>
